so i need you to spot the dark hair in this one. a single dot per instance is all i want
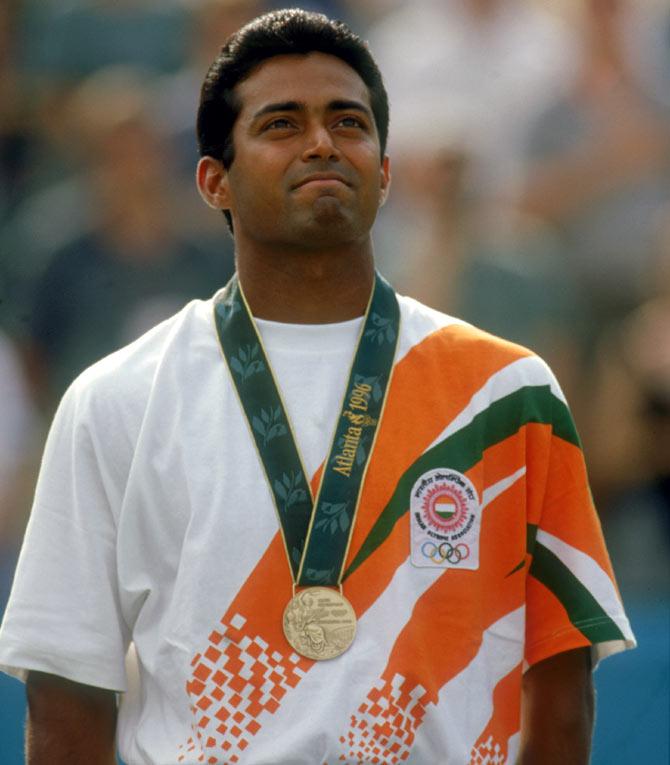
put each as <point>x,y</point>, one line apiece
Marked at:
<point>279,33</point>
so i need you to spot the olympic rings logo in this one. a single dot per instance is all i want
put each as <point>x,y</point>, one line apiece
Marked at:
<point>453,554</point>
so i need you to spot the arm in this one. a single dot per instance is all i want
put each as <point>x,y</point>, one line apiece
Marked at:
<point>69,723</point>
<point>557,710</point>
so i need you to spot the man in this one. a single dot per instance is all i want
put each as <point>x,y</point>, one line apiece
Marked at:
<point>452,543</point>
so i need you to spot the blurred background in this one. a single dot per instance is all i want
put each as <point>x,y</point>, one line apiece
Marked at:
<point>530,142</point>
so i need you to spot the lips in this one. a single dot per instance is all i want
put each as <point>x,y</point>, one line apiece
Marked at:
<point>321,178</point>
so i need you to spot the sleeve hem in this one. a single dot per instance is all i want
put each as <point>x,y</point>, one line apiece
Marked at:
<point>570,638</point>
<point>16,661</point>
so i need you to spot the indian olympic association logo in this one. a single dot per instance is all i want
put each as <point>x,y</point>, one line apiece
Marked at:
<point>445,506</point>
<point>445,518</point>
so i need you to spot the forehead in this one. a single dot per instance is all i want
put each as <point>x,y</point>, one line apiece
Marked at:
<point>315,78</point>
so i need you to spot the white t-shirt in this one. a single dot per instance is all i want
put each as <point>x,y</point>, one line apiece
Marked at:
<point>153,522</point>
<point>315,358</point>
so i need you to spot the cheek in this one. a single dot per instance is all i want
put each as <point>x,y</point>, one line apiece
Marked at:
<point>254,186</point>
<point>369,167</point>
<point>374,192</point>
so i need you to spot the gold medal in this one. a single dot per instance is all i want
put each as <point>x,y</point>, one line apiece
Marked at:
<point>319,623</point>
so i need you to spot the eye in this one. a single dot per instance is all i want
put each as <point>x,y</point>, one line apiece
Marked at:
<point>278,123</point>
<point>351,122</point>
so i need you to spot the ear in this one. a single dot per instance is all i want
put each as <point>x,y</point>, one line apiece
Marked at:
<point>212,180</point>
<point>385,180</point>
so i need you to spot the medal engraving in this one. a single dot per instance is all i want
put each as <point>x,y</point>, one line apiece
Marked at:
<point>319,623</point>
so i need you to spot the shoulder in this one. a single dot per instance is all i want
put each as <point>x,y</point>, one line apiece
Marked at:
<point>449,354</point>
<point>445,334</point>
<point>120,384</point>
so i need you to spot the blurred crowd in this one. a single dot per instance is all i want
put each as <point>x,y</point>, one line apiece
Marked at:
<point>530,147</point>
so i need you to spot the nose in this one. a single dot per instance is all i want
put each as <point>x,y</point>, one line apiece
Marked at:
<point>319,144</point>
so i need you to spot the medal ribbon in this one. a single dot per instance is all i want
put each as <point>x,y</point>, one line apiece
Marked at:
<point>316,532</point>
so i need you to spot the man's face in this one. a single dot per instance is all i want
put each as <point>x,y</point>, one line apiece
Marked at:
<point>307,170</point>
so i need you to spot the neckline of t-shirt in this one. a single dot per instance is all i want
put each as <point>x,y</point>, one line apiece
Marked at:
<point>308,338</point>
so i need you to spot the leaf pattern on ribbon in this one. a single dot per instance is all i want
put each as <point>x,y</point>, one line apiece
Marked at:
<point>382,330</point>
<point>319,576</point>
<point>335,518</point>
<point>362,450</point>
<point>288,489</point>
<point>268,424</point>
<point>228,307</point>
<point>373,382</point>
<point>247,363</point>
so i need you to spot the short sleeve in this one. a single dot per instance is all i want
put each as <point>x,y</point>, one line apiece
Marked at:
<point>64,615</point>
<point>572,599</point>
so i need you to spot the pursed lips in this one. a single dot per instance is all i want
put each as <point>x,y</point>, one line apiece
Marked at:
<point>321,178</point>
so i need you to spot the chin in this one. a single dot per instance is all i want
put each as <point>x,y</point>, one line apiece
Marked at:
<point>328,208</point>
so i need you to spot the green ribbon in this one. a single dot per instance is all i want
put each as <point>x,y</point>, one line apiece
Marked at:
<point>316,532</point>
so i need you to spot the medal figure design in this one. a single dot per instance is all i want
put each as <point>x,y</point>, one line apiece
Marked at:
<point>319,623</point>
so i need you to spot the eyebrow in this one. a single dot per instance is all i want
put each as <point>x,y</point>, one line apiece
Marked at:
<point>295,106</point>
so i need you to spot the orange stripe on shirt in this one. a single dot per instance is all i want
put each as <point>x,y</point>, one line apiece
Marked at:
<point>580,529</point>
<point>546,614</point>
<point>491,746</point>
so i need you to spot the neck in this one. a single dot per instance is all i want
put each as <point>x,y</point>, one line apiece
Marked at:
<point>307,287</point>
